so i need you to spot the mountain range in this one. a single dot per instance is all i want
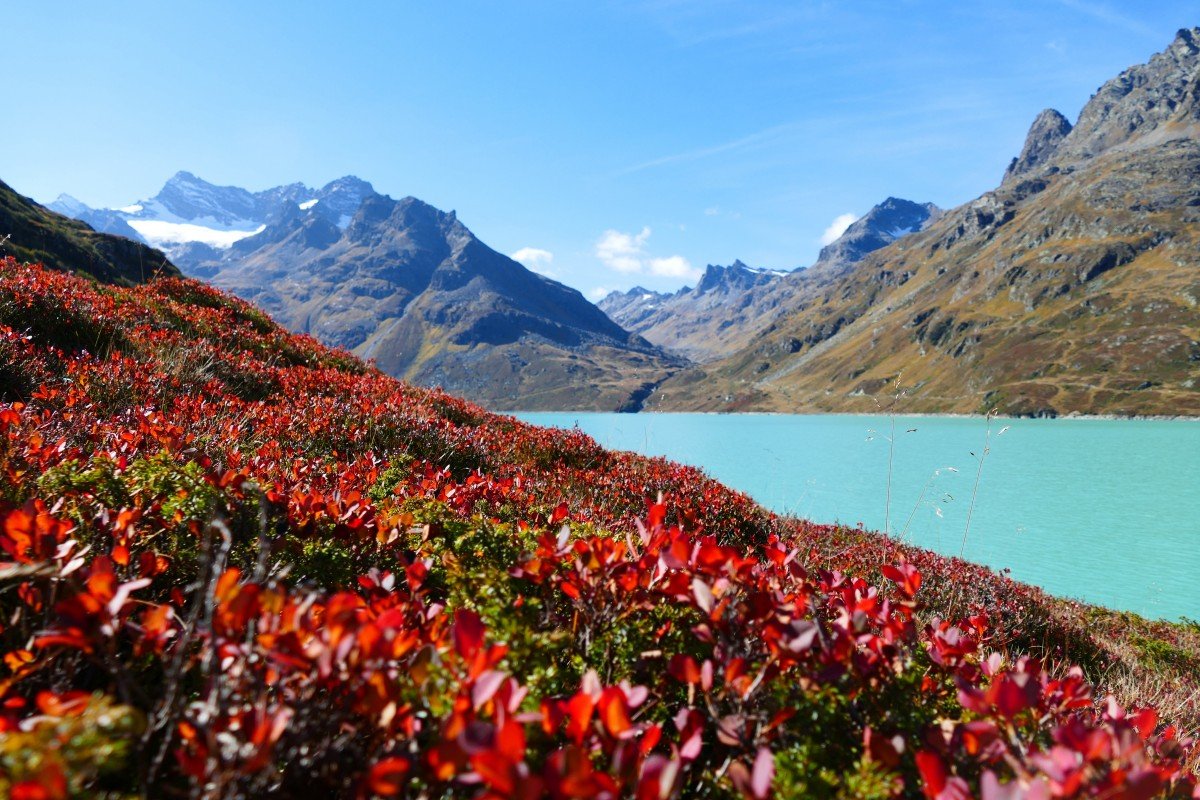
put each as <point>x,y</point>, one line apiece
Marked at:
<point>400,282</point>
<point>731,305</point>
<point>1074,286</point>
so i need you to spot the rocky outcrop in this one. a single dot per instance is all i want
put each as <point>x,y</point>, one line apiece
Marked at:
<point>1045,135</point>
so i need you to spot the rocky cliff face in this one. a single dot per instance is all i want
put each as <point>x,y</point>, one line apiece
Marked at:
<point>1073,287</point>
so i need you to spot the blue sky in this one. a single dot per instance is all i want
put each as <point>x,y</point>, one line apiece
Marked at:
<point>635,142</point>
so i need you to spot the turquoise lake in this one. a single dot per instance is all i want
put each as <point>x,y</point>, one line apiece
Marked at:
<point>1107,511</point>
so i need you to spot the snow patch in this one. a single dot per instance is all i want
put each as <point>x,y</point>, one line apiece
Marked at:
<point>898,232</point>
<point>344,221</point>
<point>307,204</point>
<point>133,209</point>
<point>159,233</point>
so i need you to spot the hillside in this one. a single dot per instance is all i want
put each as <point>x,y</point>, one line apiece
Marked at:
<point>1073,287</point>
<point>241,564</point>
<point>731,306</point>
<point>404,284</point>
<point>34,233</point>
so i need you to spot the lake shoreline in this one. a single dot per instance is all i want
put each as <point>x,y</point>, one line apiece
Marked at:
<point>914,414</point>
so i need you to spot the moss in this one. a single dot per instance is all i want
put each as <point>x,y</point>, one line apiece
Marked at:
<point>383,489</point>
<point>1162,654</point>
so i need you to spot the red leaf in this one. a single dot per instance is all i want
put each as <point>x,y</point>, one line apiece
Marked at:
<point>468,632</point>
<point>510,741</point>
<point>387,777</point>
<point>683,669</point>
<point>614,711</point>
<point>933,773</point>
<point>579,708</point>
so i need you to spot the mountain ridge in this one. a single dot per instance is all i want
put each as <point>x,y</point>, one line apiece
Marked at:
<point>405,284</point>
<point>1071,288</point>
<point>731,305</point>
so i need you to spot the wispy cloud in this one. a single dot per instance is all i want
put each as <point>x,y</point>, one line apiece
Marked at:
<point>1105,13</point>
<point>837,227</point>
<point>626,253</point>
<point>763,137</point>
<point>536,259</point>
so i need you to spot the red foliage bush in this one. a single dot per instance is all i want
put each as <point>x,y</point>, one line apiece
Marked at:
<point>301,576</point>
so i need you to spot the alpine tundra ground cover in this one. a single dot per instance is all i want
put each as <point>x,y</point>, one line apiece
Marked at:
<point>240,564</point>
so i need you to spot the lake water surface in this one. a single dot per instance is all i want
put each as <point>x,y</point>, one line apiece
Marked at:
<point>1107,511</point>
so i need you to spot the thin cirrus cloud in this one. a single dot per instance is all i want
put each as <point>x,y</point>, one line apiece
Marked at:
<point>837,227</point>
<point>626,253</point>
<point>535,259</point>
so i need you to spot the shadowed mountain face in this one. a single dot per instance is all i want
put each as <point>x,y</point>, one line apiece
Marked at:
<point>35,233</point>
<point>1074,287</point>
<point>730,306</point>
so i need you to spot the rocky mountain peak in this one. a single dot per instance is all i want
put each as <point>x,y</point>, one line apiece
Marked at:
<point>1185,46</point>
<point>1045,135</point>
<point>736,276</point>
<point>339,200</point>
<point>188,197</point>
<point>1143,106</point>
<point>67,205</point>
<point>348,184</point>
<point>883,224</point>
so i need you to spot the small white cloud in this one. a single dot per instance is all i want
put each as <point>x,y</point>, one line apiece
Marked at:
<point>622,251</point>
<point>712,212</point>
<point>597,293</point>
<point>626,253</point>
<point>536,259</point>
<point>672,267</point>
<point>837,227</point>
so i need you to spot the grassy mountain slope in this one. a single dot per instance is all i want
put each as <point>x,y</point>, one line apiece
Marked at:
<point>1074,287</point>
<point>238,563</point>
<point>37,234</point>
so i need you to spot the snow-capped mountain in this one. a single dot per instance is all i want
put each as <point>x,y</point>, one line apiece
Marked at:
<point>400,282</point>
<point>191,218</point>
